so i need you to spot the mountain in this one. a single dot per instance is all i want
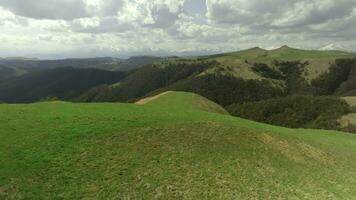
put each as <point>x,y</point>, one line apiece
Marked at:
<point>63,83</point>
<point>248,75</point>
<point>176,146</point>
<point>104,63</point>
<point>331,47</point>
<point>6,72</point>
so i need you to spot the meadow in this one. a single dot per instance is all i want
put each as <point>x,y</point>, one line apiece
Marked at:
<point>175,146</point>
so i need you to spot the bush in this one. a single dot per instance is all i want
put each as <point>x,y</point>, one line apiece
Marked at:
<point>265,71</point>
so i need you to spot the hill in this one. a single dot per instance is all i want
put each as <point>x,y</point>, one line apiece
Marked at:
<point>168,148</point>
<point>103,63</point>
<point>229,78</point>
<point>63,83</point>
<point>248,76</point>
<point>223,89</point>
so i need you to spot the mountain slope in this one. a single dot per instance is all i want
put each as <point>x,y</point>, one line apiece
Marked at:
<point>103,63</point>
<point>64,83</point>
<point>166,149</point>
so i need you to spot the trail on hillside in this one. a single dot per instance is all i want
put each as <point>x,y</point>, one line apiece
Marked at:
<point>149,99</point>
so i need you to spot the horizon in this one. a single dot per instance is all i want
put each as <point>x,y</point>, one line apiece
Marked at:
<point>167,56</point>
<point>51,29</point>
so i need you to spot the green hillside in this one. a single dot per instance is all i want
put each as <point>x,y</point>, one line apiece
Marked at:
<point>284,53</point>
<point>174,146</point>
<point>240,63</point>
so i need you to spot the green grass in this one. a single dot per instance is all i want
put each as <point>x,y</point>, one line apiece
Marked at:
<point>175,147</point>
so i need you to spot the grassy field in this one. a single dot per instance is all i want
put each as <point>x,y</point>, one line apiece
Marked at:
<point>176,146</point>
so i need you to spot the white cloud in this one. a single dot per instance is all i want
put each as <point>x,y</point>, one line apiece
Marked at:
<point>46,9</point>
<point>123,27</point>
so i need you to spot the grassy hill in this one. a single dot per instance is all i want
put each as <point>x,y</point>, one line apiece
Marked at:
<point>194,74</point>
<point>239,63</point>
<point>174,146</point>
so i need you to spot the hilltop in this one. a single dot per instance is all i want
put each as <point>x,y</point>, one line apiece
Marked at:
<point>173,147</point>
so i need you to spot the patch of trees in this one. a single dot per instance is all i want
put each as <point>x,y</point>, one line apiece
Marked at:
<point>329,82</point>
<point>225,90</point>
<point>291,72</point>
<point>294,111</point>
<point>266,71</point>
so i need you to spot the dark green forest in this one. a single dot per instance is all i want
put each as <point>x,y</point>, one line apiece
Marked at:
<point>294,111</point>
<point>60,83</point>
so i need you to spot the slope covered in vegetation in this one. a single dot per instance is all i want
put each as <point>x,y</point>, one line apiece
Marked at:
<point>168,148</point>
<point>295,111</point>
<point>60,83</point>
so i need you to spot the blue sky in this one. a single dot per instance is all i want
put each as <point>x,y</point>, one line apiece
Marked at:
<point>122,28</point>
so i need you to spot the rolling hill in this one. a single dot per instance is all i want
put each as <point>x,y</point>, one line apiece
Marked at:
<point>174,146</point>
<point>240,67</point>
<point>250,75</point>
<point>254,76</point>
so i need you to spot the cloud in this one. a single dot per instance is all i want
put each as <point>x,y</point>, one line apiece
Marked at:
<point>104,7</point>
<point>153,13</point>
<point>277,13</point>
<point>47,9</point>
<point>124,27</point>
<point>99,25</point>
<point>62,9</point>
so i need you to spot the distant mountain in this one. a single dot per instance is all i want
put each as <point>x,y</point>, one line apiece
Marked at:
<point>104,63</point>
<point>6,72</point>
<point>18,58</point>
<point>331,47</point>
<point>62,83</point>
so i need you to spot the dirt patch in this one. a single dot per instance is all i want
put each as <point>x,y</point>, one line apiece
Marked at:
<point>149,99</point>
<point>282,146</point>
<point>312,152</point>
<point>296,151</point>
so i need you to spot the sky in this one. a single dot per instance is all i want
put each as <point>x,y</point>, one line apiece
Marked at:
<point>122,28</point>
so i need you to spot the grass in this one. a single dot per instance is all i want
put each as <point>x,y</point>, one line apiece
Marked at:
<point>176,146</point>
